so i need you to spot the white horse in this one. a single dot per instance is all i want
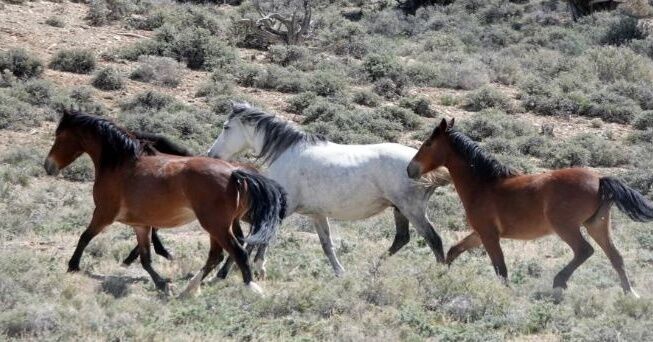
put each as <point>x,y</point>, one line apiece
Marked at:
<point>328,180</point>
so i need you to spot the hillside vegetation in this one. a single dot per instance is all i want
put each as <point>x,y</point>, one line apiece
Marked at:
<point>533,86</point>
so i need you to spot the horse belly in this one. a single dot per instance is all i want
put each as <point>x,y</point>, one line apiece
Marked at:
<point>159,219</point>
<point>348,205</point>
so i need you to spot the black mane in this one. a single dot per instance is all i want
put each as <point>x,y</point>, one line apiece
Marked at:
<point>484,166</point>
<point>118,146</point>
<point>279,135</point>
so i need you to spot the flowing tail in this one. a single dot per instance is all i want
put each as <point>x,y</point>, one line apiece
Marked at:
<point>628,200</point>
<point>267,205</point>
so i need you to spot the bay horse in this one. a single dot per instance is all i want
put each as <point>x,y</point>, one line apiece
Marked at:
<point>503,203</point>
<point>154,144</point>
<point>166,191</point>
<point>328,180</point>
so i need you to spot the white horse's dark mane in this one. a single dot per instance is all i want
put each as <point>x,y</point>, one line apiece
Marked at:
<point>279,134</point>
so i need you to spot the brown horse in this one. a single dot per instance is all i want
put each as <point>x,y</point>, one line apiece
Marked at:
<point>166,191</point>
<point>502,203</point>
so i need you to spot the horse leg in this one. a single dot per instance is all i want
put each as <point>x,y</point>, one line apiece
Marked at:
<point>259,262</point>
<point>158,248</point>
<point>143,238</point>
<point>598,227</point>
<point>425,228</point>
<point>470,241</point>
<point>324,232</point>
<point>238,253</point>
<point>214,259</point>
<point>402,235</point>
<point>158,245</point>
<point>99,221</point>
<point>131,257</point>
<point>582,251</point>
<point>238,232</point>
<point>492,244</point>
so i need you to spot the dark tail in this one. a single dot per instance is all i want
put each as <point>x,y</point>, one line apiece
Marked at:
<point>628,200</point>
<point>267,205</point>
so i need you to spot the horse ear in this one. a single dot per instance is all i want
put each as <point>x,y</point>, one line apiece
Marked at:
<point>451,123</point>
<point>443,125</point>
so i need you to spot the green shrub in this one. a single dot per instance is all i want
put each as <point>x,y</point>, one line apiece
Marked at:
<point>108,79</point>
<point>219,84</point>
<point>298,103</point>
<point>587,150</point>
<point>486,97</point>
<point>388,88</point>
<point>55,22</point>
<point>16,114</point>
<point>77,61</point>
<point>286,55</point>
<point>611,107</point>
<point>366,98</point>
<point>163,71</point>
<point>287,80</point>
<point>622,31</point>
<point>381,66</point>
<point>35,92</point>
<point>419,105</point>
<point>148,100</point>
<point>644,120</point>
<point>102,12</point>
<point>325,83</point>
<point>21,64</point>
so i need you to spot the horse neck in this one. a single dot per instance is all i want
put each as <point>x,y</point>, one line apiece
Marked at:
<point>94,149</point>
<point>466,183</point>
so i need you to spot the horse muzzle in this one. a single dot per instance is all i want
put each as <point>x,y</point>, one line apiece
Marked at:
<point>414,170</point>
<point>50,167</point>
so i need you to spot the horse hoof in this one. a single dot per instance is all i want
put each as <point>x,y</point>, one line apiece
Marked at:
<point>169,290</point>
<point>633,293</point>
<point>254,288</point>
<point>73,269</point>
<point>193,288</point>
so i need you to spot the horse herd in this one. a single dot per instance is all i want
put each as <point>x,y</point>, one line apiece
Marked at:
<point>145,181</point>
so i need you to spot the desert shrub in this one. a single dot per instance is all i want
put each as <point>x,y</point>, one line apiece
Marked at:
<point>586,150</point>
<point>151,112</point>
<point>36,92</point>
<point>16,114</point>
<point>379,66</point>
<point>493,123</point>
<point>366,98</point>
<point>20,63</point>
<point>610,107</point>
<point>326,83</point>
<point>486,97</point>
<point>194,45</point>
<point>406,118</point>
<point>163,71</point>
<point>287,80</point>
<point>55,22</point>
<point>82,170</point>
<point>388,88</point>
<point>467,74</point>
<point>617,63</point>
<point>621,32</point>
<point>102,12</point>
<point>108,79</point>
<point>286,55</point>
<point>644,120</point>
<point>148,100</point>
<point>80,98</point>
<point>419,105</point>
<point>219,84</point>
<point>77,61</point>
<point>298,103</point>
<point>641,92</point>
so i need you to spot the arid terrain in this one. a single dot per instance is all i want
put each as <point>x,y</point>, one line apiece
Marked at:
<point>534,87</point>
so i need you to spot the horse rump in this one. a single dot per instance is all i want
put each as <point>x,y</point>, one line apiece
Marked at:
<point>627,199</point>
